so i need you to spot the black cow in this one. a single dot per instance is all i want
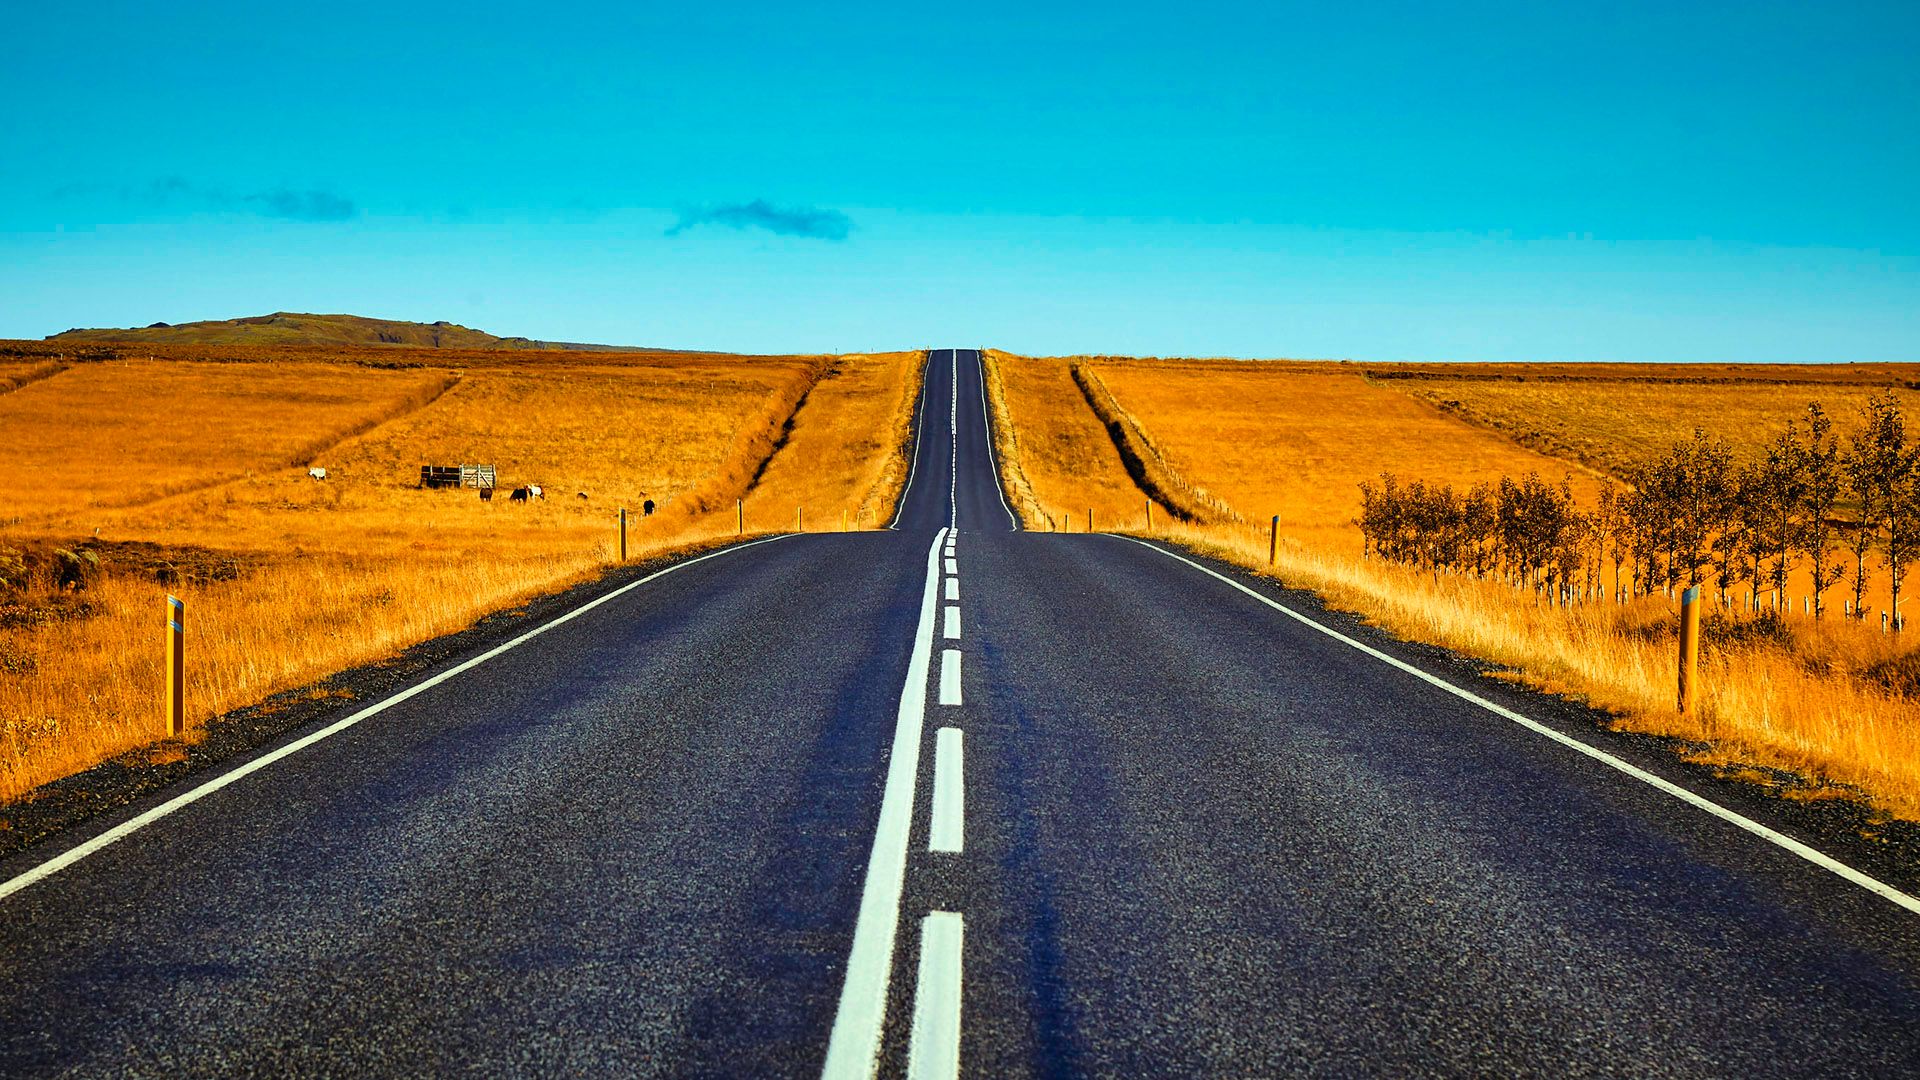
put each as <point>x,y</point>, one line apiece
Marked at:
<point>520,494</point>
<point>646,508</point>
<point>486,494</point>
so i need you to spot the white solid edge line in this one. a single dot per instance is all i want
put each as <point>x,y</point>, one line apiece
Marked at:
<point>953,588</point>
<point>951,627</point>
<point>913,464</point>
<point>1772,836</point>
<point>135,824</point>
<point>950,677</point>
<point>949,829</point>
<point>992,459</point>
<point>853,1049</point>
<point>933,1048</point>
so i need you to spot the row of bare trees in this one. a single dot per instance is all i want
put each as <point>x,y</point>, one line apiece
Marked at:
<point>1841,508</point>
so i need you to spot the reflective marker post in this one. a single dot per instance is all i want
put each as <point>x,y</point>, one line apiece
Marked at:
<point>176,701</point>
<point>623,534</point>
<point>1273,542</point>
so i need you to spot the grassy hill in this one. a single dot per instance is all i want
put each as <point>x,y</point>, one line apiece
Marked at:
<point>291,328</point>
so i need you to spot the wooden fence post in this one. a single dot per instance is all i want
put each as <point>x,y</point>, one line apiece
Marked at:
<point>1689,648</point>
<point>176,702</point>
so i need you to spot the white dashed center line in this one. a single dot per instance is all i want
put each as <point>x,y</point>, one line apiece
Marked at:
<point>953,588</point>
<point>952,567</point>
<point>949,792</point>
<point>950,676</point>
<point>951,630</point>
<point>933,1052</point>
<point>854,1047</point>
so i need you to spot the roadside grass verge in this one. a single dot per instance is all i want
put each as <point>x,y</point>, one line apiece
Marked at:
<point>1825,701</point>
<point>287,579</point>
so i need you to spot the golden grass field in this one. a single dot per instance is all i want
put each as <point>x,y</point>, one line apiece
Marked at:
<point>1061,460</point>
<point>1296,439</point>
<point>192,467</point>
<point>1609,422</point>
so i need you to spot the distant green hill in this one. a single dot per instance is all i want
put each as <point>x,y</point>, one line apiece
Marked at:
<point>290,328</point>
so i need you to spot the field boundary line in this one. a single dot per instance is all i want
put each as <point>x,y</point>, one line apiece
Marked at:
<point>1773,836</point>
<point>37,373</point>
<point>302,456</point>
<point>913,463</point>
<point>134,824</point>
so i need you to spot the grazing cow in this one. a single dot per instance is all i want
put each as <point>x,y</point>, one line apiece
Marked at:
<point>646,507</point>
<point>582,494</point>
<point>317,473</point>
<point>520,494</point>
<point>534,491</point>
<point>486,494</point>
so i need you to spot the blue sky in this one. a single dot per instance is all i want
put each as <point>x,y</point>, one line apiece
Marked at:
<point>1657,182</point>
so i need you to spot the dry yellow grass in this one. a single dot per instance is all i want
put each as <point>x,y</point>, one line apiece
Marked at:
<point>1759,705</point>
<point>107,435</point>
<point>15,375</point>
<point>844,453</point>
<point>1265,438</point>
<point>1297,439</point>
<point>1609,417</point>
<point>1612,423</point>
<point>1063,459</point>
<point>342,572</point>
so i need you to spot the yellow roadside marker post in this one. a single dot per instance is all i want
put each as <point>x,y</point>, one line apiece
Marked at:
<point>176,702</point>
<point>1689,648</point>
<point>1149,515</point>
<point>739,517</point>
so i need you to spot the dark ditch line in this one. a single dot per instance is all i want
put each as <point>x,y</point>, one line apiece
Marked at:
<point>786,430</point>
<point>1150,473</point>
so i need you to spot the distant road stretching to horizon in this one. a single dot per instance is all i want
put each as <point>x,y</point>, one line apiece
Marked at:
<point>949,798</point>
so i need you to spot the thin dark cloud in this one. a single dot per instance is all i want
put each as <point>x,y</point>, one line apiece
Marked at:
<point>302,205</point>
<point>804,221</point>
<point>287,204</point>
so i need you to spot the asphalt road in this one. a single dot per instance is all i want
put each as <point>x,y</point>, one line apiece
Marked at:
<point>1029,805</point>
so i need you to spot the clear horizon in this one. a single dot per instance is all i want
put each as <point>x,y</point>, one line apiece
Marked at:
<point>1712,183</point>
